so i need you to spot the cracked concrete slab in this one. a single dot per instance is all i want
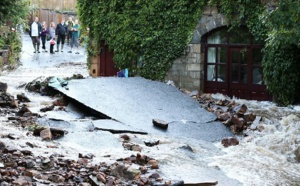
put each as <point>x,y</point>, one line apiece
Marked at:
<point>136,101</point>
<point>115,127</point>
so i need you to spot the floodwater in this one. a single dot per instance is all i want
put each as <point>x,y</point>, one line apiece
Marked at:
<point>267,157</point>
<point>272,156</point>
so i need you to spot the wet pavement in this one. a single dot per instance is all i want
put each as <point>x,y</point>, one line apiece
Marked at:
<point>34,65</point>
<point>45,59</point>
<point>183,149</point>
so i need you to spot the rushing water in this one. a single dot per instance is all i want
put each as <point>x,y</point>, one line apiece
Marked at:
<point>266,157</point>
<point>269,156</point>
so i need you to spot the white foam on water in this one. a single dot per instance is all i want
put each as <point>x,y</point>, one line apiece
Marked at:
<point>269,159</point>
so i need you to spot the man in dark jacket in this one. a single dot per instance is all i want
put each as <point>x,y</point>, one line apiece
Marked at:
<point>70,25</point>
<point>35,30</point>
<point>61,32</point>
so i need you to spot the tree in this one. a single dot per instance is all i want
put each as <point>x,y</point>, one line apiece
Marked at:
<point>14,11</point>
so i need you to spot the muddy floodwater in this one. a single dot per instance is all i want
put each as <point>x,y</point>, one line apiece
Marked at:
<point>269,156</point>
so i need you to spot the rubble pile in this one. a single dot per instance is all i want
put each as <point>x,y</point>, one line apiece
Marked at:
<point>15,110</point>
<point>21,167</point>
<point>41,85</point>
<point>232,114</point>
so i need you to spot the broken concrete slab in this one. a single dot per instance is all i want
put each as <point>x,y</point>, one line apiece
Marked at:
<point>96,140</point>
<point>115,127</point>
<point>198,130</point>
<point>72,126</point>
<point>54,123</point>
<point>136,101</point>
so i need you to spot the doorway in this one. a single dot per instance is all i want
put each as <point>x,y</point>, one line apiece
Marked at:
<point>232,62</point>
<point>107,66</point>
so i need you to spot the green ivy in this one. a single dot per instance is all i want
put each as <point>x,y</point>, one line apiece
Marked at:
<point>282,52</point>
<point>146,36</point>
<point>281,72</point>
<point>15,13</point>
<point>11,41</point>
<point>244,12</point>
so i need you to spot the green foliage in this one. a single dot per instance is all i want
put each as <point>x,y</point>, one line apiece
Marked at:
<point>281,61</point>
<point>146,36</point>
<point>14,11</point>
<point>248,12</point>
<point>11,41</point>
<point>281,72</point>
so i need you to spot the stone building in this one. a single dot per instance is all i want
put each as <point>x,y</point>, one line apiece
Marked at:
<point>218,61</point>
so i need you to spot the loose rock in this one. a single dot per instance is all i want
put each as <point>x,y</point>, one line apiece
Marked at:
<point>46,134</point>
<point>151,143</point>
<point>230,142</point>
<point>3,87</point>
<point>23,98</point>
<point>47,108</point>
<point>160,123</point>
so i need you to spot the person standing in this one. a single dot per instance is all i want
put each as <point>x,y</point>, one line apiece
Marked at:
<point>75,37</point>
<point>61,31</point>
<point>70,24</point>
<point>44,35</point>
<point>35,34</point>
<point>52,36</point>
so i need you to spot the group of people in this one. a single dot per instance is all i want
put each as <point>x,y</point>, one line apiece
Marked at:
<point>57,35</point>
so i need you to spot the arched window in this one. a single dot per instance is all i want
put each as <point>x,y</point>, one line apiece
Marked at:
<point>233,63</point>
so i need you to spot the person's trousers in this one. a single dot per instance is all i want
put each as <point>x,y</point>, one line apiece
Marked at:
<point>61,39</point>
<point>43,37</point>
<point>74,42</point>
<point>51,48</point>
<point>36,42</point>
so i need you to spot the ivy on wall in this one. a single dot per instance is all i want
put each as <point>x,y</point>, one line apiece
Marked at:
<point>282,53</point>
<point>146,36</point>
<point>244,12</point>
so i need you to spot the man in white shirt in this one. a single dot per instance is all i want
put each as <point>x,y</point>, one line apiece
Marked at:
<point>35,34</point>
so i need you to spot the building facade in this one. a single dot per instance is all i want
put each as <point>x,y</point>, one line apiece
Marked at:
<point>221,61</point>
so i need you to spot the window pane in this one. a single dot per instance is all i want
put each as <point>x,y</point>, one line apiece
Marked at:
<point>244,55</point>
<point>243,74</point>
<point>257,56</point>
<point>234,74</point>
<point>218,37</point>
<point>239,36</point>
<point>222,56</point>
<point>211,72</point>
<point>211,55</point>
<point>257,75</point>
<point>221,73</point>
<point>235,57</point>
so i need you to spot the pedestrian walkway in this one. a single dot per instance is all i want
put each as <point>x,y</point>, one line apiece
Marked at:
<point>34,65</point>
<point>40,60</point>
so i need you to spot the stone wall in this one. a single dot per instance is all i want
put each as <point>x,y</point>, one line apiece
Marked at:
<point>185,71</point>
<point>188,70</point>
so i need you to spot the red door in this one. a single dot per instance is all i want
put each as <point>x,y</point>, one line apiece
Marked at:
<point>245,74</point>
<point>107,65</point>
<point>238,72</point>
